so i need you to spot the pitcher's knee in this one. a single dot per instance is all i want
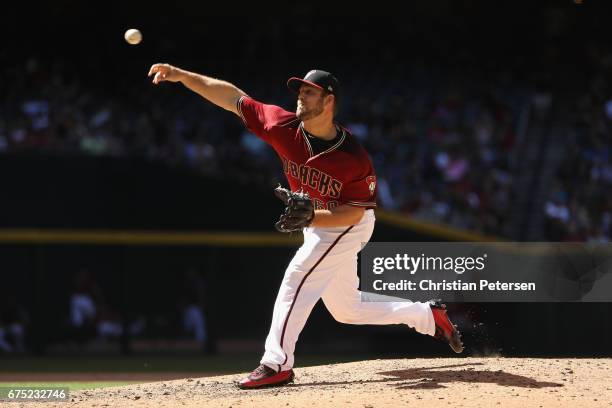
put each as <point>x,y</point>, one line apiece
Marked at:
<point>348,319</point>
<point>345,316</point>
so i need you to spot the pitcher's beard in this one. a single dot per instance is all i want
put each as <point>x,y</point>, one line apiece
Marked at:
<point>304,114</point>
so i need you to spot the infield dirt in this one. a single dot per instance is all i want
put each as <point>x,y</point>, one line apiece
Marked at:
<point>440,382</point>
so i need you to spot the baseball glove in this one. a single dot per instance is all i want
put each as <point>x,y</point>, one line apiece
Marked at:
<point>299,211</point>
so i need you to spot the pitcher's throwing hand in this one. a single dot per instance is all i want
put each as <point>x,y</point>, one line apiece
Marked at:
<point>165,72</point>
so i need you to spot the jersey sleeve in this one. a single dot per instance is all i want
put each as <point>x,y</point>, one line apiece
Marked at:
<point>263,120</point>
<point>361,191</point>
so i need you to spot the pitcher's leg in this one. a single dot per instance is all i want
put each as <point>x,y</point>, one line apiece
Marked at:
<point>343,300</point>
<point>299,292</point>
<point>306,277</point>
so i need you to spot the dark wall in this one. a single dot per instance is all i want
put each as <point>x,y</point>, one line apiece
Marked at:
<point>83,192</point>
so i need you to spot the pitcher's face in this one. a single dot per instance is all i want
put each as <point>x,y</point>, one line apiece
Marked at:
<point>310,102</point>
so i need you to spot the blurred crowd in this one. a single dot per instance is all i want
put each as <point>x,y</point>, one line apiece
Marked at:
<point>90,317</point>
<point>579,207</point>
<point>14,320</point>
<point>438,104</point>
<point>442,150</point>
<point>444,157</point>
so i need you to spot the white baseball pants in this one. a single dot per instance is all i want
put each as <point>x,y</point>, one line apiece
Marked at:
<point>325,266</point>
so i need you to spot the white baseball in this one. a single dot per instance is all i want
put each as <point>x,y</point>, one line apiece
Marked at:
<point>133,36</point>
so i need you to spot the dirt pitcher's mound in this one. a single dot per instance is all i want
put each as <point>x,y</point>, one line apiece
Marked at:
<point>456,382</point>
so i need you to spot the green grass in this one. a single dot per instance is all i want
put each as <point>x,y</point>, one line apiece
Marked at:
<point>106,364</point>
<point>71,385</point>
<point>222,364</point>
<point>218,364</point>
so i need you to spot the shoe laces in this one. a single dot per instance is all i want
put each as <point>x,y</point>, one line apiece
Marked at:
<point>262,369</point>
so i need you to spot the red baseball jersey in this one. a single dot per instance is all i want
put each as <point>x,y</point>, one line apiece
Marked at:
<point>342,174</point>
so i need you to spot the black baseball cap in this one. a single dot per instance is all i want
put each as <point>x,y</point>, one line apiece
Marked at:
<point>317,78</point>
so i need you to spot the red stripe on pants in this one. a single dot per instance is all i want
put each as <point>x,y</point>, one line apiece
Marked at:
<point>302,283</point>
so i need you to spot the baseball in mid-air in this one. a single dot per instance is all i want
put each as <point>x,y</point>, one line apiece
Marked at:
<point>133,36</point>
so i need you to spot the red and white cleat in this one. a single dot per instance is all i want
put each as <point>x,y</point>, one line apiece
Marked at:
<point>445,329</point>
<point>264,376</point>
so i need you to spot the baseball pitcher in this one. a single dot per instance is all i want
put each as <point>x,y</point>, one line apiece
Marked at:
<point>331,199</point>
